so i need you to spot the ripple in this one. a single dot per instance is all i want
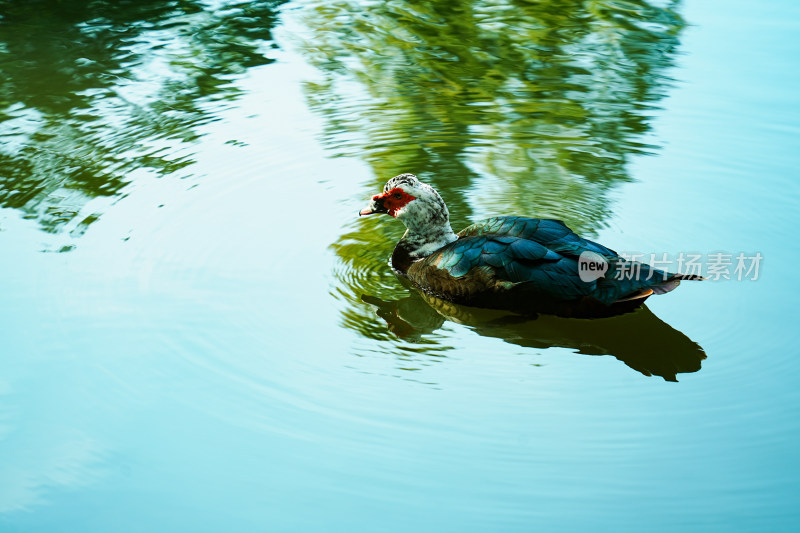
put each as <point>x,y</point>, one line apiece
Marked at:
<point>106,96</point>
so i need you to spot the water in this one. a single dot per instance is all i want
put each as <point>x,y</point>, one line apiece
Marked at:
<point>199,333</point>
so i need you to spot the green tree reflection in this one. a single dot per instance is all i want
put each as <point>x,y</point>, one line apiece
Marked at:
<point>525,107</point>
<point>552,97</point>
<point>93,92</point>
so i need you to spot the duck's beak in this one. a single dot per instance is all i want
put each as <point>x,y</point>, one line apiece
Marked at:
<point>375,206</point>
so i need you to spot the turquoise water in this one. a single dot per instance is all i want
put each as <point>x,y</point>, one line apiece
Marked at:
<point>200,334</point>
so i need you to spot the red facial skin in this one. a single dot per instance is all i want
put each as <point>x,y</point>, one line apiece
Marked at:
<point>394,200</point>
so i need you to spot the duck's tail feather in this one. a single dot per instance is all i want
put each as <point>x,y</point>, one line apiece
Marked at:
<point>663,288</point>
<point>673,281</point>
<point>644,293</point>
<point>687,277</point>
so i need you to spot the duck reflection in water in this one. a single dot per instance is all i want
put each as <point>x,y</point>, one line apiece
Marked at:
<point>639,339</point>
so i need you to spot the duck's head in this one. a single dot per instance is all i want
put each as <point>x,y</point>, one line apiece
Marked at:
<point>417,204</point>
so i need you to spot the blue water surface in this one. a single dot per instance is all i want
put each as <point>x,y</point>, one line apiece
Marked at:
<point>198,333</point>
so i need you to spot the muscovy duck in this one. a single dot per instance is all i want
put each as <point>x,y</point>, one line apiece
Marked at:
<point>525,265</point>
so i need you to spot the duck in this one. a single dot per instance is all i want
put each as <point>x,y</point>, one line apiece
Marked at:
<point>519,264</point>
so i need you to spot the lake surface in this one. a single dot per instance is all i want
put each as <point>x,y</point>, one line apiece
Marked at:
<point>199,334</point>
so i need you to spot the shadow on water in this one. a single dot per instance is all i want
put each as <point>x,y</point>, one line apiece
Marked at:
<point>512,107</point>
<point>639,339</point>
<point>94,93</point>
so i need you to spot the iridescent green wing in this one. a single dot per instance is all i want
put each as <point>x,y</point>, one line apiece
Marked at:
<point>553,234</point>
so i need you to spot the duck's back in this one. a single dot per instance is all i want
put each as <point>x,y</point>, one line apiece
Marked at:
<point>530,265</point>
